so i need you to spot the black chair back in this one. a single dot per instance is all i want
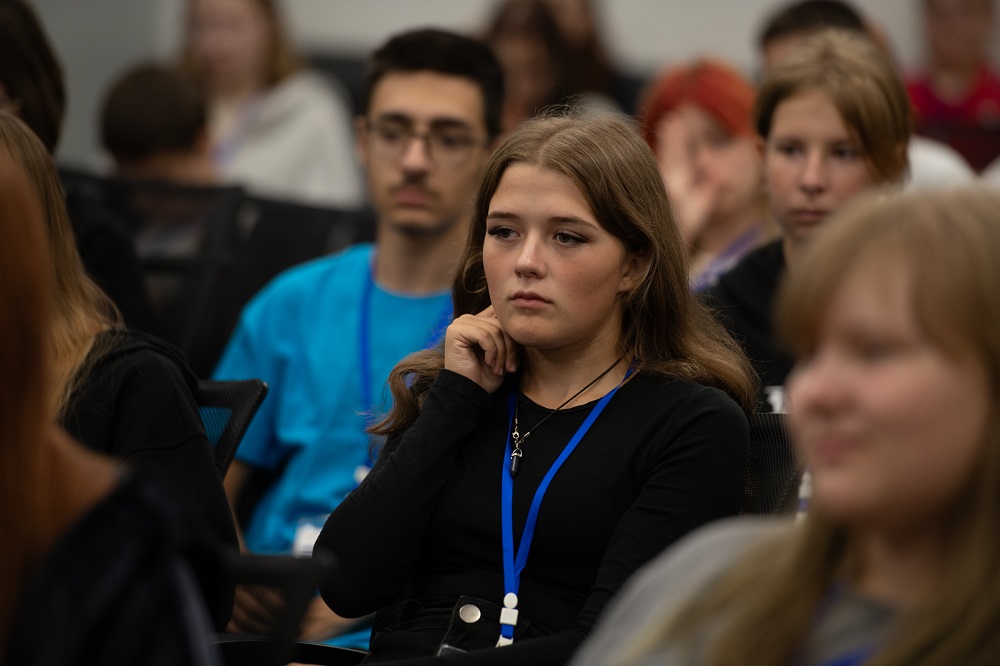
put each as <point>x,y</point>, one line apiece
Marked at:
<point>773,471</point>
<point>227,408</point>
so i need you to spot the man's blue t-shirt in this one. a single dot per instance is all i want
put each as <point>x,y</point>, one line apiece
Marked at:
<point>301,335</point>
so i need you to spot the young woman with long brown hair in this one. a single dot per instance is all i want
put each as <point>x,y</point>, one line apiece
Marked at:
<point>579,369</point>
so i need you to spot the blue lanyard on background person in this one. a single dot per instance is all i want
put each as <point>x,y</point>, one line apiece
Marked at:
<point>513,563</point>
<point>365,359</point>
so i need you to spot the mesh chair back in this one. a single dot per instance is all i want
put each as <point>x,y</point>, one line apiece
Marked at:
<point>227,408</point>
<point>274,236</point>
<point>773,472</point>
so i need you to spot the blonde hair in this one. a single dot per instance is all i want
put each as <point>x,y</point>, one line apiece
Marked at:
<point>664,328</point>
<point>949,242</point>
<point>81,311</point>
<point>861,83</point>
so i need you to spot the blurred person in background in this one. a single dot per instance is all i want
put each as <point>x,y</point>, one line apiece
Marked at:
<point>894,318</point>
<point>696,118</point>
<point>154,124</point>
<point>117,391</point>
<point>276,127</point>
<point>933,164</point>
<point>956,94</point>
<point>94,561</point>
<point>834,121</point>
<point>32,88</point>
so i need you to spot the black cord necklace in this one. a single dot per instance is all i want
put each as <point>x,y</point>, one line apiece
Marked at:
<point>518,439</point>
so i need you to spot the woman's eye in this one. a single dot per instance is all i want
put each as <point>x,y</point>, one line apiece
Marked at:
<point>567,239</point>
<point>503,233</point>
<point>846,153</point>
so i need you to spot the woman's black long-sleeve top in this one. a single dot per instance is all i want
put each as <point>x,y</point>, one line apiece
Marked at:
<point>665,456</point>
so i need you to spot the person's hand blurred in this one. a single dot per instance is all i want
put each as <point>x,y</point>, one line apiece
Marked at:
<point>692,194</point>
<point>321,623</point>
<point>255,609</point>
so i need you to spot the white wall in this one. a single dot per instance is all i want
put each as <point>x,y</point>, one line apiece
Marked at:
<point>97,39</point>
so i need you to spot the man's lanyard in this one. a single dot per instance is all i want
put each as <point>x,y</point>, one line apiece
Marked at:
<point>513,563</point>
<point>364,353</point>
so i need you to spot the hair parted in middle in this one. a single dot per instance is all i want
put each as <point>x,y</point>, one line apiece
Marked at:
<point>665,329</point>
<point>860,82</point>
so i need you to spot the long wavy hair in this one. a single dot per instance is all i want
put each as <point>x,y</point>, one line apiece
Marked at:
<point>664,328</point>
<point>948,242</point>
<point>81,310</point>
<point>25,309</point>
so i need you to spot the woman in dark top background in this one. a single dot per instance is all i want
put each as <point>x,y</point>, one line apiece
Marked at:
<point>834,120</point>
<point>93,567</point>
<point>117,391</point>
<point>575,328</point>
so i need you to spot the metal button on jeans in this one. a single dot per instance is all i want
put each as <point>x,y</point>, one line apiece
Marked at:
<point>470,613</point>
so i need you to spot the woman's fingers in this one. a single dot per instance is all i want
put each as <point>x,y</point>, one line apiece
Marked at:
<point>477,347</point>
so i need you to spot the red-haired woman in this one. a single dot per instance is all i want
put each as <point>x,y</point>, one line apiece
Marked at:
<point>696,118</point>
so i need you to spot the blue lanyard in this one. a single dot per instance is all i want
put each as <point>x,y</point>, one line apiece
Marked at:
<point>852,658</point>
<point>513,563</point>
<point>364,344</point>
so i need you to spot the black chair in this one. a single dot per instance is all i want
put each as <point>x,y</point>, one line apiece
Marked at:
<point>773,471</point>
<point>227,408</point>
<point>273,236</point>
<point>292,580</point>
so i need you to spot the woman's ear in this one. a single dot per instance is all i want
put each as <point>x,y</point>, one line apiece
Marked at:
<point>633,270</point>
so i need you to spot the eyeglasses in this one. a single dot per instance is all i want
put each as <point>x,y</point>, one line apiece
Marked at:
<point>449,146</point>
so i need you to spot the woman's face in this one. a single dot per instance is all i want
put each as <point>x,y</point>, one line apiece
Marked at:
<point>730,165</point>
<point>554,273</point>
<point>812,163</point>
<point>889,424</point>
<point>231,39</point>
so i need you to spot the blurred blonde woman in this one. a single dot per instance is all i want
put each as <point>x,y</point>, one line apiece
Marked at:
<point>277,127</point>
<point>894,320</point>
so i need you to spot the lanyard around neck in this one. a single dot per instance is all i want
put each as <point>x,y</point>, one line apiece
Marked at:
<point>364,343</point>
<point>514,562</point>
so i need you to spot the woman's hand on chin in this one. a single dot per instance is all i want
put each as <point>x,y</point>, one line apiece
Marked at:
<point>477,347</point>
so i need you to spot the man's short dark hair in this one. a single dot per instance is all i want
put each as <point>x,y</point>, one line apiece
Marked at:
<point>30,72</point>
<point>151,110</point>
<point>810,16</point>
<point>445,53</point>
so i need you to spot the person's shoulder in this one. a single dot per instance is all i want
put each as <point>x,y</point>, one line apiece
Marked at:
<point>317,278</point>
<point>934,164</point>
<point>130,355</point>
<point>669,391</point>
<point>307,92</point>
<point>704,553</point>
<point>697,560</point>
<point>759,268</point>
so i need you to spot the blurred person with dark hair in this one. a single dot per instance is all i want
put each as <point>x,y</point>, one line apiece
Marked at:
<point>933,164</point>
<point>94,561</point>
<point>32,88</point>
<point>277,127</point>
<point>154,125</point>
<point>957,92</point>
<point>696,118</point>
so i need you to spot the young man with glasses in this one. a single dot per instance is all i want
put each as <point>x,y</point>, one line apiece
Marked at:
<point>325,335</point>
